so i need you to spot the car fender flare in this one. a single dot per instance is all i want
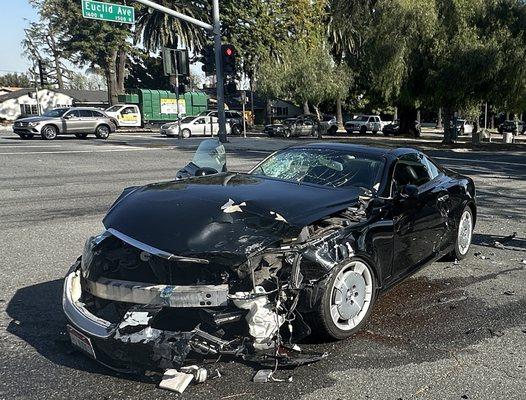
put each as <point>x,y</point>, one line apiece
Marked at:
<point>103,124</point>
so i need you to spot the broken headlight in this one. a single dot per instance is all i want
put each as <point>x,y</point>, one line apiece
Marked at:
<point>90,249</point>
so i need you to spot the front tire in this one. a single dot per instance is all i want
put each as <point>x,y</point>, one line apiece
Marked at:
<point>347,301</point>
<point>464,235</point>
<point>102,132</point>
<point>185,133</point>
<point>49,132</point>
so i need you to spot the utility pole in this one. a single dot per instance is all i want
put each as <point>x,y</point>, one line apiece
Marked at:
<point>216,30</point>
<point>36,90</point>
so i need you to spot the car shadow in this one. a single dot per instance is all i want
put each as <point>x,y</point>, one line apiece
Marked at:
<point>38,319</point>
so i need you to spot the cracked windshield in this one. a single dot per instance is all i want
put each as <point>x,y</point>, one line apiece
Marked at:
<point>322,167</point>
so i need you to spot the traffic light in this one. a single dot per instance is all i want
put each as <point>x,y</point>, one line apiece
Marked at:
<point>231,89</point>
<point>43,73</point>
<point>229,59</point>
<point>208,60</point>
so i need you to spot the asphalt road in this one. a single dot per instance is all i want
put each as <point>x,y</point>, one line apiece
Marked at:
<point>450,332</point>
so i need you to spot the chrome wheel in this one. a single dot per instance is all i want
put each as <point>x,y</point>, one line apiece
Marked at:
<point>49,132</point>
<point>186,134</point>
<point>103,132</point>
<point>465,231</point>
<point>351,295</point>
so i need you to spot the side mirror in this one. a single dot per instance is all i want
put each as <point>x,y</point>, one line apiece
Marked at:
<point>205,171</point>
<point>409,192</point>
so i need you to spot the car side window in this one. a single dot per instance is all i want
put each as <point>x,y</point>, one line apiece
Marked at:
<point>86,113</point>
<point>128,110</point>
<point>433,170</point>
<point>200,121</point>
<point>97,114</point>
<point>73,114</point>
<point>410,169</point>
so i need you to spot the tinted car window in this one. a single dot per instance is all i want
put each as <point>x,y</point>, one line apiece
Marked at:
<point>86,113</point>
<point>432,169</point>
<point>73,113</point>
<point>98,114</point>
<point>410,170</point>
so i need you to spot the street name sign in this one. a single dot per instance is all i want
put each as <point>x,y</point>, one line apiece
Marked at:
<point>108,12</point>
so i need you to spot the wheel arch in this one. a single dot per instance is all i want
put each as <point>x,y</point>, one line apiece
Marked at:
<point>56,126</point>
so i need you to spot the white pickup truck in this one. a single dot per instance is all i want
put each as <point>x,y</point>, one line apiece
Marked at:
<point>364,124</point>
<point>125,115</point>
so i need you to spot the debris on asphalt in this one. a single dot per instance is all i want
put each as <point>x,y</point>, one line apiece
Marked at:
<point>262,376</point>
<point>496,333</point>
<point>175,381</point>
<point>509,292</point>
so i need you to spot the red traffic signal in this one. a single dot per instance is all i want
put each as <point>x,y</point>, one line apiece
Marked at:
<point>229,59</point>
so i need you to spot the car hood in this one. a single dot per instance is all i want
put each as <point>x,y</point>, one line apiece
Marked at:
<point>34,119</point>
<point>228,213</point>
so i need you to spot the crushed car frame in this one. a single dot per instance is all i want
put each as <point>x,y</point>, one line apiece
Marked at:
<point>247,264</point>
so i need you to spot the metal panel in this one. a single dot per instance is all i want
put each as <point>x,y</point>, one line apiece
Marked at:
<point>163,295</point>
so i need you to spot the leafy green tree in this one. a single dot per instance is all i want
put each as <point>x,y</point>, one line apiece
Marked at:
<point>15,80</point>
<point>155,29</point>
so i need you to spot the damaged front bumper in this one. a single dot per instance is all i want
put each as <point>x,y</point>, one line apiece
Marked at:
<point>133,345</point>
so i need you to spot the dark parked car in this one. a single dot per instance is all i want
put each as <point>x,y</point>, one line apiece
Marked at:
<point>238,263</point>
<point>303,125</point>
<point>517,127</point>
<point>393,128</point>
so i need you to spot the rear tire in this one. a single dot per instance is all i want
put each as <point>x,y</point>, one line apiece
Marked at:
<point>347,301</point>
<point>236,130</point>
<point>49,132</point>
<point>103,132</point>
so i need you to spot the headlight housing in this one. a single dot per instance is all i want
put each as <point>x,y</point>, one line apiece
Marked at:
<point>90,250</point>
<point>32,124</point>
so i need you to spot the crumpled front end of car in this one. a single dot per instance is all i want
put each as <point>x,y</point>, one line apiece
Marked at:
<point>134,307</point>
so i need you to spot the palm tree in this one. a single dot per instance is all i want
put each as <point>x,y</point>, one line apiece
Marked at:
<point>156,29</point>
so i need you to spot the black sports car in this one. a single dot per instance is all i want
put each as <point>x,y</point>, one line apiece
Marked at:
<point>242,264</point>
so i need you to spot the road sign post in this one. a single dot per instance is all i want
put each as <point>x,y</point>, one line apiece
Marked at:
<point>108,12</point>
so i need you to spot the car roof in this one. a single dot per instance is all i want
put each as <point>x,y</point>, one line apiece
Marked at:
<point>370,150</point>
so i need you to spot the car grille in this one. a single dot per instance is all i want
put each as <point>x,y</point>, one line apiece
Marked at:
<point>21,124</point>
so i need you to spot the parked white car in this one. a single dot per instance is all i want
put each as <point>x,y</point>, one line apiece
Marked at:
<point>364,124</point>
<point>464,128</point>
<point>193,126</point>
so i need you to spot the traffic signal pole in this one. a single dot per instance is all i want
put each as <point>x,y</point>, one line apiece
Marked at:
<point>219,73</point>
<point>216,30</point>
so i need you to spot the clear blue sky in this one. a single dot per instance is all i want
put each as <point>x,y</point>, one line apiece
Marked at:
<point>12,24</point>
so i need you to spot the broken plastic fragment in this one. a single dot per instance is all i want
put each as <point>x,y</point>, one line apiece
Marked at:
<point>175,381</point>
<point>230,207</point>
<point>278,217</point>
<point>262,376</point>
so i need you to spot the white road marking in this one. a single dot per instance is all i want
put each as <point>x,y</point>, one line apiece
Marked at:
<point>81,151</point>
<point>9,146</point>
<point>481,162</point>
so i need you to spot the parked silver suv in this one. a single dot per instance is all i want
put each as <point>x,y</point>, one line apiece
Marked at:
<point>66,121</point>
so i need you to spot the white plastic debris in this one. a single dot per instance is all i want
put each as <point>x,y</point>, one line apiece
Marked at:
<point>175,381</point>
<point>231,207</point>
<point>200,374</point>
<point>262,376</point>
<point>135,318</point>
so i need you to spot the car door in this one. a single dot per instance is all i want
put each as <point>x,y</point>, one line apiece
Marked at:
<point>88,121</point>
<point>420,223</point>
<point>200,125</point>
<point>72,122</point>
<point>129,116</point>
